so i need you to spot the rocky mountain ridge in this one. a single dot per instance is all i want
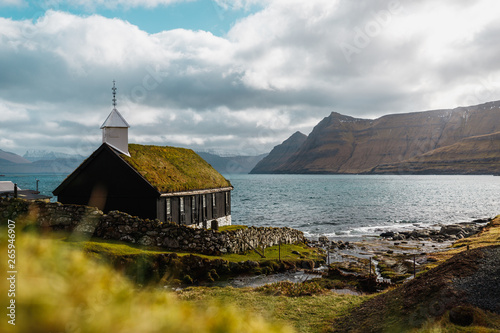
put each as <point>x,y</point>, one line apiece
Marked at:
<point>43,161</point>
<point>45,155</point>
<point>13,163</point>
<point>453,141</point>
<point>280,154</point>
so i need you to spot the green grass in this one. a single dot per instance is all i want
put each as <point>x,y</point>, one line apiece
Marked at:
<point>59,289</point>
<point>273,253</point>
<point>118,248</point>
<point>309,314</point>
<point>232,227</point>
<point>171,169</point>
<point>156,267</point>
<point>291,289</point>
<point>115,248</point>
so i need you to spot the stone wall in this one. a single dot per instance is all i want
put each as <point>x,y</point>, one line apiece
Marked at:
<point>89,221</point>
<point>220,222</point>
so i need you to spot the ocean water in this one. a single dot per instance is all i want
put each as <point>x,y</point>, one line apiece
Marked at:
<point>46,184</point>
<point>345,205</point>
<point>356,205</point>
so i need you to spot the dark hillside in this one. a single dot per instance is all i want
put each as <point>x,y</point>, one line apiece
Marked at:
<point>464,290</point>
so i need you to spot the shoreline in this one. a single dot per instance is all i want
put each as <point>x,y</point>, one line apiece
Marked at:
<point>393,257</point>
<point>353,256</point>
<point>376,231</point>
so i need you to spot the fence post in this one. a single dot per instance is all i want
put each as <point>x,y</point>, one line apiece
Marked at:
<point>414,268</point>
<point>279,250</point>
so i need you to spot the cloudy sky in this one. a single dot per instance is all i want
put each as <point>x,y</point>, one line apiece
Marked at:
<point>233,76</point>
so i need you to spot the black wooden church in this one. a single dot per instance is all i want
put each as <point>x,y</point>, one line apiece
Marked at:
<point>167,183</point>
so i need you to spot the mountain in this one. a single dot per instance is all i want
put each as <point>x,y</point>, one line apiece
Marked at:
<point>474,155</point>
<point>461,140</point>
<point>280,154</point>
<point>44,155</point>
<point>9,158</point>
<point>53,166</point>
<point>13,163</point>
<point>231,164</point>
<point>42,161</point>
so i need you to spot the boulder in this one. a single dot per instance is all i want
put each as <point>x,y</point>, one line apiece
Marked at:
<point>387,234</point>
<point>323,239</point>
<point>449,230</point>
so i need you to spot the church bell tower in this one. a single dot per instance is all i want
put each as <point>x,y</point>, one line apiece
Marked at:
<point>115,128</point>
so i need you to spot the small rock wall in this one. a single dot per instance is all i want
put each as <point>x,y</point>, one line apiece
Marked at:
<point>89,221</point>
<point>221,222</point>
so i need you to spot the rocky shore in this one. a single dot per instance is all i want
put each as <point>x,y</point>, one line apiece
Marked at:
<point>449,232</point>
<point>393,256</point>
<point>439,234</point>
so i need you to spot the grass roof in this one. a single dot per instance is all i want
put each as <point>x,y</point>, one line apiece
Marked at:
<point>171,169</point>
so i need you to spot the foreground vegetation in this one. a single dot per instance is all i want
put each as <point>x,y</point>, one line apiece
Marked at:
<point>59,289</point>
<point>68,285</point>
<point>311,313</point>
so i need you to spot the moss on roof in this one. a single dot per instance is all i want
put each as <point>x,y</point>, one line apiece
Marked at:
<point>171,169</point>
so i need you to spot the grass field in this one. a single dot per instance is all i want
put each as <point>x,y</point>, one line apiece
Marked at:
<point>117,248</point>
<point>59,289</point>
<point>306,313</point>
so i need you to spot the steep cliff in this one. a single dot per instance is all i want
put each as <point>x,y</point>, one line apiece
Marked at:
<point>399,142</point>
<point>474,155</point>
<point>280,154</point>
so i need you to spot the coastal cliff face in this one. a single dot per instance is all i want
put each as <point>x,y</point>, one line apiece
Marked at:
<point>474,155</point>
<point>462,140</point>
<point>280,154</point>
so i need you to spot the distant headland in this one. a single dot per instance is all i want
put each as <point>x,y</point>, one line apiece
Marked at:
<point>463,140</point>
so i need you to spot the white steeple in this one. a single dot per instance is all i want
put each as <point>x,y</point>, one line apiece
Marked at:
<point>115,128</point>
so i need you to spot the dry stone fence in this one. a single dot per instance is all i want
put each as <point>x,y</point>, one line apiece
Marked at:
<point>89,221</point>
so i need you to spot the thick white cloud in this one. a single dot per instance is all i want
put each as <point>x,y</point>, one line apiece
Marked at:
<point>277,71</point>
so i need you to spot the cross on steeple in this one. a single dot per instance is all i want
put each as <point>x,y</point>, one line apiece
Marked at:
<point>115,128</point>
<point>114,95</point>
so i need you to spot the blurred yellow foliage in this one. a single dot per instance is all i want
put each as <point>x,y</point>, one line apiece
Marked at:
<point>59,289</point>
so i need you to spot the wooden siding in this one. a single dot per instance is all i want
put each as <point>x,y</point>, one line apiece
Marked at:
<point>195,215</point>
